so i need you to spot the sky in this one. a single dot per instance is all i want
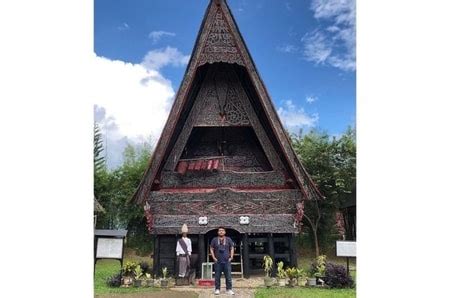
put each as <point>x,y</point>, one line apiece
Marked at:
<point>304,50</point>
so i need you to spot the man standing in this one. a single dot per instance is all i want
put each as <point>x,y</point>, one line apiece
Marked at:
<point>222,252</point>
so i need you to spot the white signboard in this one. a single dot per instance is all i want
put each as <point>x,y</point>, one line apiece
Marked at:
<point>109,248</point>
<point>346,248</point>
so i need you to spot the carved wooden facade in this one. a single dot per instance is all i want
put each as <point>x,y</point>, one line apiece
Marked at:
<point>223,152</point>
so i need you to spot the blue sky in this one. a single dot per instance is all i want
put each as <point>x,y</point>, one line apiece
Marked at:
<point>304,52</point>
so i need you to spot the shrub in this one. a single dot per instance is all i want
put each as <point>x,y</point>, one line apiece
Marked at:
<point>129,267</point>
<point>138,272</point>
<point>267,265</point>
<point>336,276</point>
<point>114,281</point>
<point>318,267</point>
<point>145,267</point>
<point>281,273</point>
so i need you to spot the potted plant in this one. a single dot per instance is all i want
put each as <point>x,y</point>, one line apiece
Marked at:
<point>268,266</point>
<point>145,267</point>
<point>138,276</point>
<point>281,274</point>
<point>291,274</point>
<point>149,281</point>
<point>317,271</point>
<point>320,267</point>
<point>164,280</point>
<point>301,277</point>
<point>311,280</point>
<point>128,273</point>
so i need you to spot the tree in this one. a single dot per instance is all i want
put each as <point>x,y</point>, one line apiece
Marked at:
<point>113,189</point>
<point>331,162</point>
<point>99,159</point>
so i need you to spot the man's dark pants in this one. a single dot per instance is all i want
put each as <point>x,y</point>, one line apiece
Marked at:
<point>226,269</point>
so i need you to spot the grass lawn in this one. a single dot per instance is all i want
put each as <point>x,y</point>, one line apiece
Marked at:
<point>305,293</point>
<point>106,268</point>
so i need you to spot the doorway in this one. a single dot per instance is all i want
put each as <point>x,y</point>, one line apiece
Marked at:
<point>236,262</point>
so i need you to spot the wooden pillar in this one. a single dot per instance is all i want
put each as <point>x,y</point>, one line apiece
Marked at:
<point>175,265</point>
<point>272,252</point>
<point>201,251</point>
<point>293,250</point>
<point>156,256</point>
<point>245,257</point>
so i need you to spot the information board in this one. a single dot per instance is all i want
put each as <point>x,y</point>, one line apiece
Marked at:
<point>346,248</point>
<point>109,248</point>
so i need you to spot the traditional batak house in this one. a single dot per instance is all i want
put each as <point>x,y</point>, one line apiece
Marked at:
<point>224,159</point>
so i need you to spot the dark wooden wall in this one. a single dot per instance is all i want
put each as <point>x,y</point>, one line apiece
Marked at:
<point>281,247</point>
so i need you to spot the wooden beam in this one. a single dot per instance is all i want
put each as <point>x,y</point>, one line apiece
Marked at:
<point>155,255</point>
<point>293,250</point>
<point>174,253</point>
<point>245,256</point>
<point>272,252</point>
<point>201,250</point>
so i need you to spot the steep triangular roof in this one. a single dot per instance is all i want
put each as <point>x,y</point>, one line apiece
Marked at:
<point>219,40</point>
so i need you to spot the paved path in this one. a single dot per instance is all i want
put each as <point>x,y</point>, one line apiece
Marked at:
<point>209,293</point>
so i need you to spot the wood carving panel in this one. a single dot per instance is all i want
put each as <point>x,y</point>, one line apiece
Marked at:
<point>274,179</point>
<point>225,201</point>
<point>273,223</point>
<point>221,103</point>
<point>220,43</point>
<point>237,111</point>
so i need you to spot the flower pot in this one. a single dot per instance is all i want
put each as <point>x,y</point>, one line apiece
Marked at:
<point>137,283</point>
<point>268,281</point>
<point>164,283</point>
<point>150,283</point>
<point>302,282</point>
<point>312,281</point>
<point>320,281</point>
<point>293,282</point>
<point>282,282</point>
<point>127,281</point>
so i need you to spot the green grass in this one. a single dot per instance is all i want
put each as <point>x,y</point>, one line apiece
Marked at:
<point>305,261</point>
<point>107,268</point>
<point>305,293</point>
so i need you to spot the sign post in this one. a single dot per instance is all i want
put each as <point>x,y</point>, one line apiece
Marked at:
<point>346,249</point>
<point>108,244</point>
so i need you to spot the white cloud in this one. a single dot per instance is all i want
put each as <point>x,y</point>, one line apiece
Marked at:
<point>289,48</point>
<point>334,45</point>
<point>156,59</point>
<point>132,101</point>
<point>123,27</point>
<point>295,118</point>
<point>317,47</point>
<point>156,35</point>
<point>311,99</point>
<point>343,11</point>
